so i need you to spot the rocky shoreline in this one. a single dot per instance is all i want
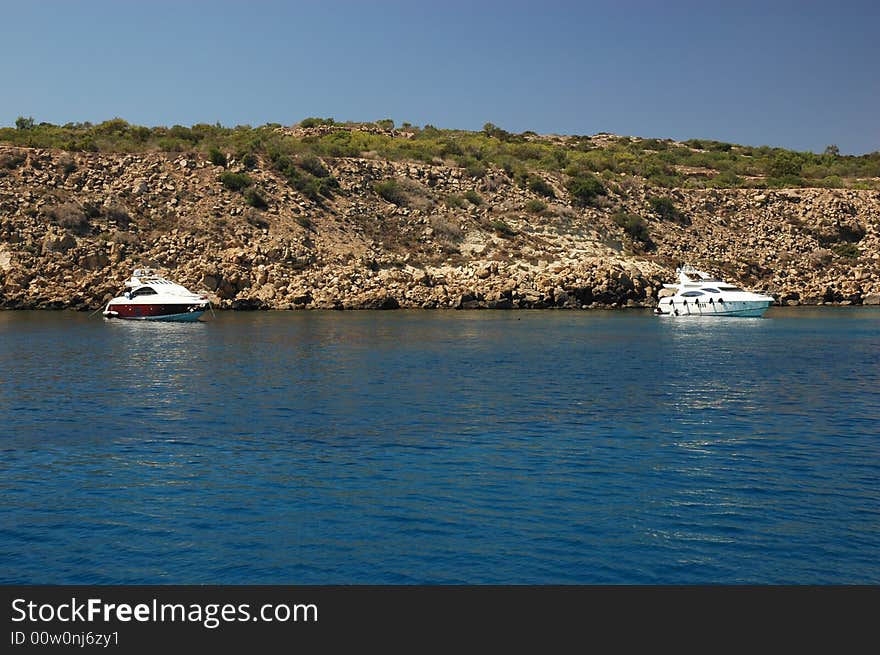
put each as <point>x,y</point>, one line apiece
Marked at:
<point>74,225</point>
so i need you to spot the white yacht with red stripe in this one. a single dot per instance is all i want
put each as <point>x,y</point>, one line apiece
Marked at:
<point>700,294</point>
<point>150,297</point>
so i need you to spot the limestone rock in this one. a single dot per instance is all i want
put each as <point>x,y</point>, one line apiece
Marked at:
<point>355,250</point>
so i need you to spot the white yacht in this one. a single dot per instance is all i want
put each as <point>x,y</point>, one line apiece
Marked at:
<point>699,294</point>
<point>150,297</point>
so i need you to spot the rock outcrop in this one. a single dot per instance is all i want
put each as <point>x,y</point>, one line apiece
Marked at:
<point>74,225</point>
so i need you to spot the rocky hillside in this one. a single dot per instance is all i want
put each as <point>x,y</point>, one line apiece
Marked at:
<point>74,224</point>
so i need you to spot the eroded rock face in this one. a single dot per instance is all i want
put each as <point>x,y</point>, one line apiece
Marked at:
<point>71,239</point>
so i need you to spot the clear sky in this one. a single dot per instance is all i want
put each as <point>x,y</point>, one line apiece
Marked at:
<point>800,75</point>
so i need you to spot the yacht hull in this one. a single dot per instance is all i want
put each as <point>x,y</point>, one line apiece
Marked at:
<point>741,309</point>
<point>143,312</point>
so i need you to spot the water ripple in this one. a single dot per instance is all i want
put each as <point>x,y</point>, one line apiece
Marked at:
<point>418,447</point>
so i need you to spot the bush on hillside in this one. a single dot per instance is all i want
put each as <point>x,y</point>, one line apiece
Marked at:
<point>473,197</point>
<point>455,202</point>
<point>541,187</point>
<point>235,181</point>
<point>313,122</point>
<point>784,164</point>
<point>217,158</point>
<point>68,215</point>
<point>254,199</point>
<point>665,208</point>
<point>634,225</point>
<point>249,160</point>
<point>392,191</point>
<point>446,229</point>
<point>536,206</point>
<point>584,189</point>
<point>502,228</point>
<point>847,250</point>
<point>314,166</point>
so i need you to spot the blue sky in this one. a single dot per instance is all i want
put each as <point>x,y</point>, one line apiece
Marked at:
<point>801,75</point>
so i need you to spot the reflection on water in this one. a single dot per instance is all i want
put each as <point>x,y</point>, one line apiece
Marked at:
<point>406,447</point>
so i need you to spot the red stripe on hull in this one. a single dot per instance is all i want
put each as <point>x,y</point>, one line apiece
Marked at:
<point>142,311</point>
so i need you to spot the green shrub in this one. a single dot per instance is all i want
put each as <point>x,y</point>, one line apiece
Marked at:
<point>585,189</point>
<point>536,206</point>
<point>310,186</point>
<point>254,199</point>
<point>115,126</point>
<point>493,131</point>
<point>473,197</point>
<point>180,132</point>
<point>664,207</point>
<point>475,169</point>
<point>140,134</point>
<point>523,157</point>
<point>235,181</point>
<point>392,191</point>
<point>502,228</point>
<point>784,164</point>
<point>249,160</point>
<point>634,225</point>
<point>785,182</point>
<point>166,144</point>
<point>299,172</point>
<point>314,166</point>
<point>514,168</point>
<point>726,180</point>
<point>454,201</point>
<point>217,158</point>
<point>654,144</point>
<point>327,186</point>
<point>541,187</point>
<point>313,122</point>
<point>848,250</point>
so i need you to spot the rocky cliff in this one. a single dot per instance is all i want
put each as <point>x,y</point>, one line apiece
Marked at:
<point>74,225</point>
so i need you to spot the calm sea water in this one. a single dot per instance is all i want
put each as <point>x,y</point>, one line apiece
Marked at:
<point>441,447</point>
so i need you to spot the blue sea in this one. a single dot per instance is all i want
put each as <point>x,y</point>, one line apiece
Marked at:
<point>418,447</point>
